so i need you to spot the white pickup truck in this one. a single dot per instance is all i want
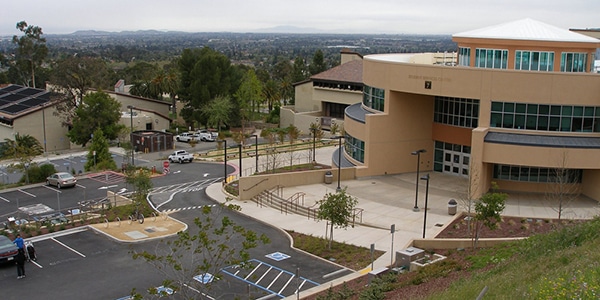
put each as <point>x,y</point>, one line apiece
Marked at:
<point>187,137</point>
<point>181,156</point>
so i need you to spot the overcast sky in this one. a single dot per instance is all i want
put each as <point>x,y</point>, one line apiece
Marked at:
<point>337,16</point>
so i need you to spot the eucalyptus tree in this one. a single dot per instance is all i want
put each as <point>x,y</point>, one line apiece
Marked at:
<point>72,77</point>
<point>31,52</point>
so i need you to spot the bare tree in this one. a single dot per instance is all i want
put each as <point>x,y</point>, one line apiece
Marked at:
<point>563,185</point>
<point>468,195</point>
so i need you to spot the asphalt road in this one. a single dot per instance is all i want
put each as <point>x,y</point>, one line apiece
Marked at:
<point>91,266</point>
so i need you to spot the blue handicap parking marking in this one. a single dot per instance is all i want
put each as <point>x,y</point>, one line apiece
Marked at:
<point>269,278</point>
<point>277,256</point>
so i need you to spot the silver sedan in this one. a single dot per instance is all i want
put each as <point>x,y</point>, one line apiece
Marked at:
<point>61,179</point>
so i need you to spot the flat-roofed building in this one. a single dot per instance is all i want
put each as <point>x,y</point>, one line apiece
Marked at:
<point>520,103</point>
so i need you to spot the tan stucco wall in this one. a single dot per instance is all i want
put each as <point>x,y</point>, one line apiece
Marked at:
<point>337,96</point>
<point>126,100</point>
<point>286,116</point>
<point>251,186</point>
<point>590,184</point>
<point>34,123</point>
<point>141,118</point>
<point>391,139</point>
<point>304,100</point>
<point>407,121</point>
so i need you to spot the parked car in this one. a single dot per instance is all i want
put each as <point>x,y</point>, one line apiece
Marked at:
<point>206,135</point>
<point>61,179</point>
<point>8,250</point>
<point>187,137</point>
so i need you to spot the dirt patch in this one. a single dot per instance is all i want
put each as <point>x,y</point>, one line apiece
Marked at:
<point>151,228</point>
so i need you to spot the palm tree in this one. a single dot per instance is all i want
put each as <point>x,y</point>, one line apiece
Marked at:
<point>170,86</point>
<point>23,148</point>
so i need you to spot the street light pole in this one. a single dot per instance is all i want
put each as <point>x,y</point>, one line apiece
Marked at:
<point>225,164</point>
<point>131,134</point>
<point>426,178</point>
<point>418,154</point>
<point>241,169</point>
<point>314,132</point>
<point>339,163</point>
<point>256,151</point>
<point>44,127</point>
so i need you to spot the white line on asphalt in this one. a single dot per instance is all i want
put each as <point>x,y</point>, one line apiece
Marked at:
<point>35,263</point>
<point>5,199</point>
<point>263,276</point>
<point>199,292</point>
<point>286,284</point>
<point>68,247</point>
<point>51,188</point>
<point>26,193</point>
<point>273,281</point>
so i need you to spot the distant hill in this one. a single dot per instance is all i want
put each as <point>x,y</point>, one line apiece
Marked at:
<point>288,29</point>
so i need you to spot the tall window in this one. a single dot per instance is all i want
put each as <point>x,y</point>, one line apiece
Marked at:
<point>491,58</point>
<point>456,111</point>
<point>355,148</point>
<point>545,117</point>
<point>464,56</point>
<point>573,62</point>
<point>534,60</point>
<point>373,98</point>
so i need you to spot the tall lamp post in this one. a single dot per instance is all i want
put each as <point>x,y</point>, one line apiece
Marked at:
<point>418,154</point>
<point>339,188</point>
<point>256,151</point>
<point>240,158</point>
<point>426,178</point>
<point>314,132</point>
<point>225,164</point>
<point>131,134</point>
<point>44,127</point>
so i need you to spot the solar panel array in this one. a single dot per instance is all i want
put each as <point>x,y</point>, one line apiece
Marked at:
<point>15,99</point>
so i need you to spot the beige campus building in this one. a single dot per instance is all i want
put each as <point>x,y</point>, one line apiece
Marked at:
<point>516,105</point>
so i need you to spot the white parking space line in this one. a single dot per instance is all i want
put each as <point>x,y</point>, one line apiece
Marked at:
<point>255,268</point>
<point>273,281</point>
<point>286,284</point>
<point>51,188</point>
<point>263,276</point>
<point>35,263</point>
<point>5,199</point>
<point>26,193</point>
<point>62,244</point>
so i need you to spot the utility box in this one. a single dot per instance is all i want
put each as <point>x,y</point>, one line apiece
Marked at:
<point>408,255</point>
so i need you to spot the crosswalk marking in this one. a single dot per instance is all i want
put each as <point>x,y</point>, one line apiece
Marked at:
<point>171,210</point>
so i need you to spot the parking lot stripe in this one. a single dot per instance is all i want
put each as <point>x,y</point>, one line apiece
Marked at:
<point>255,268</point>
<point>285,285</point>
<point>62,244</point>
<point>263,276</point>
<point>276,277</point>
<point>26,193</point>
<point>5,199</point>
